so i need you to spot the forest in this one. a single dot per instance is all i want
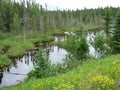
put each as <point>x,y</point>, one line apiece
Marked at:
<point>88,41</point>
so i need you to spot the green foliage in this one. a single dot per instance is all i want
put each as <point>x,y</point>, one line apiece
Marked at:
<point>19,48</point>
<point>4,60</point>
<point>42,67</point>
<point>114,70</point>
<point>116,35</point>
<point>14,45</point>
<point>99,42</point>
<point>91,75</point>
<point>16,23</point>
<point>47,38</point>
<point>78,47</point>
<point>83,49</point>
<point>5,35</point>
<point>70,44</point>
<point>107,19</point>
<point>34,17</point>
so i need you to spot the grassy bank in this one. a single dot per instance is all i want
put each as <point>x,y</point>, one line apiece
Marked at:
<point>14,46</point>
<point>101,74</point>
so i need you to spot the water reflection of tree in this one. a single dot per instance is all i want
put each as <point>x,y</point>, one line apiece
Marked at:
<point>15,64</point>
<point>1,76</point>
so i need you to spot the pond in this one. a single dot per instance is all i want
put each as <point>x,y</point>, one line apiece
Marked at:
<point>18,71</point>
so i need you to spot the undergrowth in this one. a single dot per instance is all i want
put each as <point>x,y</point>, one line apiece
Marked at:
<point>93,74</point>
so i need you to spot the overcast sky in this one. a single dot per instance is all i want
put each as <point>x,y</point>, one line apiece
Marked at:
<point>80,4</point>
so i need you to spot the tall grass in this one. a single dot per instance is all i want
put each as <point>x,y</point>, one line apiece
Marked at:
<point>15,46</point>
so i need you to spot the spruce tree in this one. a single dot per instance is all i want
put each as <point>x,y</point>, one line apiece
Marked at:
<point>0,15</point>
<point>116,35</point>
<point>107,19</point>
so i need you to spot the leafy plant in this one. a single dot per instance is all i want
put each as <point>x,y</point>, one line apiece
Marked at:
<point>91,75</point>
<point>77,46</point>
<point>42,67</point>
<point>116,35</point>
<point>99,42</point>
<point>82,49</point>
<point>4,60</point>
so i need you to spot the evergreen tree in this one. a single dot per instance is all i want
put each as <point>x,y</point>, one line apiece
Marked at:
<point>8,15</point>
<point>0,15</point>
<point>34,17</point>
<point>16,23</point>
<point>107,19</point>
<point>116,35</point>
<point>42,67</point>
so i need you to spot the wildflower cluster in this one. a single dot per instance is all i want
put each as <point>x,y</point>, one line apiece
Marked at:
<point>103,82</point>
<point>65,86</point>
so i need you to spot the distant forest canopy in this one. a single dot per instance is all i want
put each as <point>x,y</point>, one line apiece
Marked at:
<point>32,16</point>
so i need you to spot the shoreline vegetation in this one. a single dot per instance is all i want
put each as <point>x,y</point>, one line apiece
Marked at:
<point>86,76</point>
<point>12,48</point>
<point>15,47</point>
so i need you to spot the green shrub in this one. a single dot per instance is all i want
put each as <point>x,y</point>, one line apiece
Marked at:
<point>4,35</point>
<point>42,67</point>
<point>87,76</point>
<point>83,49</point>
<point>99,42</point>
<point>4,60</point>
<point>78,47</point>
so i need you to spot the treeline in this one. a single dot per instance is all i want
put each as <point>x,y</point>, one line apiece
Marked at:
<point>27,15</point>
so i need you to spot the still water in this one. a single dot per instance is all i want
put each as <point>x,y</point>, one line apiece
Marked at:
<point>18,71</point>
